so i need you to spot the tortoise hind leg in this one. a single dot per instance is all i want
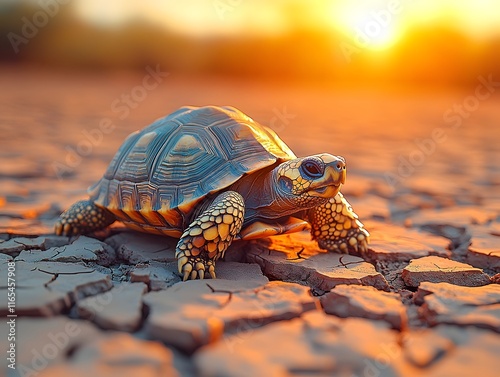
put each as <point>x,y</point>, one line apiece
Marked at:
<point>336,227</point>
<point>209,235</point>
<point>83,217</point>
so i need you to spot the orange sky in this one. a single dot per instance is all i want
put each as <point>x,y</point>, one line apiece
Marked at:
<point>477,18</point>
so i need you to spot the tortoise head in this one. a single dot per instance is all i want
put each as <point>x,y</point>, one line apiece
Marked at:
<point>309,181</point>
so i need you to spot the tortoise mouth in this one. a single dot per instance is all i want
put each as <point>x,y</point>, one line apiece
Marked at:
<point>329,185</point>
<point>327,191</point>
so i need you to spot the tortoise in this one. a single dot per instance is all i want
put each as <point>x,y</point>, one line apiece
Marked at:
<point>211,175</point>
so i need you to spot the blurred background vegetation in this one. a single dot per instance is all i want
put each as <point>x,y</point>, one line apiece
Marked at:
<point>423,42</point>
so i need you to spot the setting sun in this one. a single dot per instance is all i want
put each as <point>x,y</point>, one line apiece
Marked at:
<point>368,27</point>
<point>380,24</point>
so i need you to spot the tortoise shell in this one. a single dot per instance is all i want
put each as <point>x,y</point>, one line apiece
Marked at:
<point>161,173</point>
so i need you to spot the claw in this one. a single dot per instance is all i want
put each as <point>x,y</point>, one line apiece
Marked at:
<point>181,262</point>
<point>194,273</point>
<point>363,247</point>
<point>67,230</point>
<point>211,271</point>
<point>187,270</point>
<point>200,268</point>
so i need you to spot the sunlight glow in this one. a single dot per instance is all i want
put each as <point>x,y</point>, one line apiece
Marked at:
<point>204,18</point>
<point>108,13</point>
<point>374,26</point>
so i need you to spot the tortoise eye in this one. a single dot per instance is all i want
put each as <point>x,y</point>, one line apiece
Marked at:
<point>312,169</point>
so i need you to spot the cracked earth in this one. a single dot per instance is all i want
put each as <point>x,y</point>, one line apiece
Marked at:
<point>423,301</point>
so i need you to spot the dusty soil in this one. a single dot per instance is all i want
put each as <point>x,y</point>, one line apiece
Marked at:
<point>423,175</point>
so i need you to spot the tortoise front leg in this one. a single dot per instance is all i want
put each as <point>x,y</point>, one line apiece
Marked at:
<point>336,227</point>
<point>209,235</point>
<point>83,217</point>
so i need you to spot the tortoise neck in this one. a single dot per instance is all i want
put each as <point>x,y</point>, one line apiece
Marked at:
<point>267,200</point>
<point>281,203</point>
<point>259,192</point>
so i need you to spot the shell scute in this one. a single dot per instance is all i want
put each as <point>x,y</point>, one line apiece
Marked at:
<point>171,165</point>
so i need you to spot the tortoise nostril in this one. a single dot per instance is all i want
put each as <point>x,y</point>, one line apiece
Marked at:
<point>339,166</point>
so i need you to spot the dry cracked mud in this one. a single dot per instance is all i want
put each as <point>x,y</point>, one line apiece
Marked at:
<point>423,301</point>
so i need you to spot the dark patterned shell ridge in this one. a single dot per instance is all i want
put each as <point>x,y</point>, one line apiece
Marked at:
<point>179,159</point>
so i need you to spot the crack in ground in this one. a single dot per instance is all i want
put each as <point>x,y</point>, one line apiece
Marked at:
<point>449,269</point>
<point>348,263</point>
<point>28,247</point>
<point>48,259</point>
<point>299,256</point>
<point>93,252</point>
<point>63,273</point>
<point>59,252</point>
<point>222,291</point>
<point>54,277</point>
<point>435,265</point>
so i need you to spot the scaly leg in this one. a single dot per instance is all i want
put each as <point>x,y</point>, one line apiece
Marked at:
<point>209,235</point>
<point>336,227</point>
<point>83,217</point>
